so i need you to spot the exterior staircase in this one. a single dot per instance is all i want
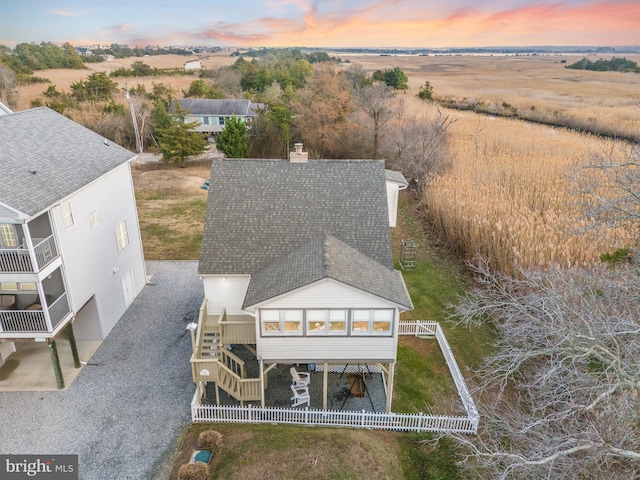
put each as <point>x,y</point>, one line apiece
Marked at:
<point>212,362</point>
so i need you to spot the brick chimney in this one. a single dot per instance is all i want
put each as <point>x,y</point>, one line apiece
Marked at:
<point>298,156</point>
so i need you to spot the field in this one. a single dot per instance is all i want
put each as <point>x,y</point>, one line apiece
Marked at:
<point>62,79</point>
<point>535,87</point>
<point>509,194</point>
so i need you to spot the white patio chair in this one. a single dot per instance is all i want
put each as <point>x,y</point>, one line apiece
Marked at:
<point>300,396</point>
<point>299,379</point>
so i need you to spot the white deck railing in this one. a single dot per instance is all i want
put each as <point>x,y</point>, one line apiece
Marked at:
<point>383,421</point>
<point>417,327</point>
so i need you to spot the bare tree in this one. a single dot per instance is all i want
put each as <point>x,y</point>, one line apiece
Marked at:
<point>418,147</point>
<point>8,87</point>
<point>611,179</point>
<point>376,102</point>
<point>562,392</point>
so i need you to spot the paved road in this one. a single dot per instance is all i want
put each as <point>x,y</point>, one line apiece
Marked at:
<point>123,415</point>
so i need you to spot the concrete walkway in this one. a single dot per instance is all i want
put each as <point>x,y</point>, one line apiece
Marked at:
<point>124,412</point>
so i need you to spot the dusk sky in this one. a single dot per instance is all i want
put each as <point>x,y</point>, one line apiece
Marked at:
<point>322,23</point>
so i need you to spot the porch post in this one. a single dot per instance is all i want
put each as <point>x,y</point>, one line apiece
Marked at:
<point>53,351</point>
<point>325,381</point>
<point>262,383</point>
<point>74,345</point>
<point>392,366</point>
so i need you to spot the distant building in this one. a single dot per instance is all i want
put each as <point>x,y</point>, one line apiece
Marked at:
<point>192,65</point>
<point>84,51</point>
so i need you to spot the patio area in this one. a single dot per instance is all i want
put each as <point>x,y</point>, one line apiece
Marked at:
<point>278,392</point>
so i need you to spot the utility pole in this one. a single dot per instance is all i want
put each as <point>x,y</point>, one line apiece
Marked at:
<point>133,119</point>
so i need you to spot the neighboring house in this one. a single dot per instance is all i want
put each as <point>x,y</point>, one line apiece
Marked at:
<point>192,65</point>
<point>211,114</point>
<point>296,260</point>
<point>70,249</point>
<point>84,51</point>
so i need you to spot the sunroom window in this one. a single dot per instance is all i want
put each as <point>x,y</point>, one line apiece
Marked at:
<point>372,322</point>
<point>281,322</point>
<point>326,322</point>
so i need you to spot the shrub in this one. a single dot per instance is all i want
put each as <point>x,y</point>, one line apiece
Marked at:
<point>210,440</point>
<point>193,471</point>
<point>426,91</point>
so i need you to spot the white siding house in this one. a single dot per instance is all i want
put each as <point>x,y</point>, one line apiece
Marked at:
<point>211,114</point>
<point>71,254</point>
<point>298,253</point>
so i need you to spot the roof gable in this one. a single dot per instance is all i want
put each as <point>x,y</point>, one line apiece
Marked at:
<point>47,157</point>
<point>326,257</point>
<point>259,211</point>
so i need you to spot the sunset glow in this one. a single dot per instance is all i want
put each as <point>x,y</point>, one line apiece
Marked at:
<point>328,23</point>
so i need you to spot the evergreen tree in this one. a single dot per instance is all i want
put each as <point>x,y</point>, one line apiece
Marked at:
<point>177,140</point>
<point>233,141</point>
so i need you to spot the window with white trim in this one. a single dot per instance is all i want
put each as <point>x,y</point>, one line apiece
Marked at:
<point>326,322</point>
<point>122,236</point>
<point>8,236</point>
<point>9,287</point>
<point>371,321</point>
<point>28,286</point>
<point>281,322</point>
<point>206,120</point>
<point>93,218</point>
<point>67,215</point>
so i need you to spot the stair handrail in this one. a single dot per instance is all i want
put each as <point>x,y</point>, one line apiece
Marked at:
<point>237,364</point>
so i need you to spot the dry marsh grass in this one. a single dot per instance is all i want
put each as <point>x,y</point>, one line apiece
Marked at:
<point>538,88</point>
<point>508,195</point>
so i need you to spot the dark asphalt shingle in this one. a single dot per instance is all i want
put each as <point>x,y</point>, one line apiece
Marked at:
<point>260,210</point>
<point>326,257</point>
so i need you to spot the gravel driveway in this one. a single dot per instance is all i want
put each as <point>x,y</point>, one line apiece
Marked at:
<point>124,412</point>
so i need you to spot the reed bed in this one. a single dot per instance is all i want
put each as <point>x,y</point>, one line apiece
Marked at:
<point>508,195</point>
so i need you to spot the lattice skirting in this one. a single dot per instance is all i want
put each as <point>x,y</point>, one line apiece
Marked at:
<point>351,368</point>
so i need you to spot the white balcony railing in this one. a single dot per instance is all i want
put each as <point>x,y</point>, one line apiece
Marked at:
<point>18,260</point>
<point>30,321</point>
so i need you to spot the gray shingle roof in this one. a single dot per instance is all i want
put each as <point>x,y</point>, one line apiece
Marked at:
<point>326,257</point>
<point>396,177</point>
<point>65,156</point>
<point>280,222</point>
<point>260,210</point>
<point>208,106</point>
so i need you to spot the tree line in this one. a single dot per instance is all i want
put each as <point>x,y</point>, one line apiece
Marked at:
<point>613,65</point>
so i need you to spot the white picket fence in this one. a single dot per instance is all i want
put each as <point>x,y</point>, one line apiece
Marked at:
<point>407,422</point>
<point>382,421</point>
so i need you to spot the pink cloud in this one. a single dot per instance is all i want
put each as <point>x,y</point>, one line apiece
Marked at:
<point>400,23</point>
<point>62,13</point>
